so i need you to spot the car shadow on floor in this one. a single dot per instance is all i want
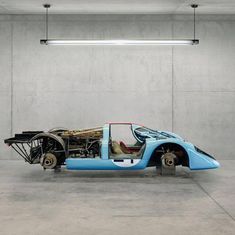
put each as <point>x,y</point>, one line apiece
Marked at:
<point>148,175</point>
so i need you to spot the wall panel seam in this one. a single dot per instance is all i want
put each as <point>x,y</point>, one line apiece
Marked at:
<point>11,128</point>
<point>172,80</point>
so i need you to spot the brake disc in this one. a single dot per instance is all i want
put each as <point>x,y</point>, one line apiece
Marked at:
<point>48,161</point>
<point>168,159</point>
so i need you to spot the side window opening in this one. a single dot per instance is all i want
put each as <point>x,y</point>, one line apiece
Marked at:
<point>123,144</point>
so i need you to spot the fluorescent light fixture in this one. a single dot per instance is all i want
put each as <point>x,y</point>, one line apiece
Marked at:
<point>120,42</point>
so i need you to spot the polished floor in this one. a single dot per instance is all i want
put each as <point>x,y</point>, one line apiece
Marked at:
<point>33,201</point>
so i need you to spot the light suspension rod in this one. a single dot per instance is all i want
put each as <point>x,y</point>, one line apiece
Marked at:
<point>117,42</point>
<point>194,6</point>
<point>47,6</point>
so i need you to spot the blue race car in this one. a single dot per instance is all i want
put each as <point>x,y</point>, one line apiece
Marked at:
<point>115,146</point>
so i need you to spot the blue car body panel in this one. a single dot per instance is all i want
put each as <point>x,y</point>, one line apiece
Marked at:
<point>197,160</point>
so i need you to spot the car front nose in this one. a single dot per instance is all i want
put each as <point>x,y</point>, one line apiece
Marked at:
<point>216,164</point>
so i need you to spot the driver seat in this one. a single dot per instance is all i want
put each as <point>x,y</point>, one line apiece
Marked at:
<point>124,148</point>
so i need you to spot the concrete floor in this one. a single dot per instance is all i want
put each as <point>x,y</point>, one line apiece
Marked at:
<point>36,202</point>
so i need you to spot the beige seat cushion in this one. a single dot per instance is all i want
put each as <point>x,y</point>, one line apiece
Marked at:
<point>116,149</point>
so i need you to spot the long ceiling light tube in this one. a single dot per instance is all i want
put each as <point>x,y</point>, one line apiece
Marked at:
<point>118,42</point>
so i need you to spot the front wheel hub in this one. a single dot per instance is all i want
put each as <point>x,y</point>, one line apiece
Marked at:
<point>169,159</point>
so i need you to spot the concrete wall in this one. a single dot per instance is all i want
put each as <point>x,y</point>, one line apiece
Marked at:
<point>190,90</point>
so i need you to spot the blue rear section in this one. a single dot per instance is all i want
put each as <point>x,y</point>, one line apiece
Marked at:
<point>197,160</point>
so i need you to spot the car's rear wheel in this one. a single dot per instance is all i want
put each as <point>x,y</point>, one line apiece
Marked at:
<point>49,149</point>
<point>48,161</point>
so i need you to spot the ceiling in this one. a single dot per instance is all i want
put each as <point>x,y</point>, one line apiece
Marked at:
<point>117,6</point>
